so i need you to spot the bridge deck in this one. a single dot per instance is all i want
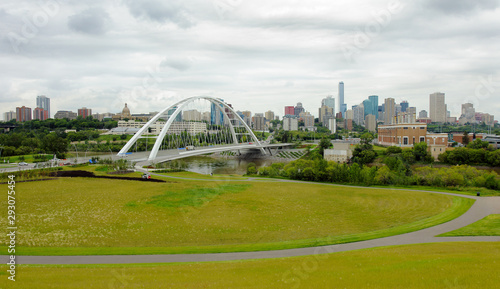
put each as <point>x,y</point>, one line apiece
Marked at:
<point>174,154</point>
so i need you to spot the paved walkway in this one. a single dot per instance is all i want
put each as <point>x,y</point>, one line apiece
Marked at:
<point>482,207</point>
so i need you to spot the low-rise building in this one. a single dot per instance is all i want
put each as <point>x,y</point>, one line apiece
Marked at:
<point>65,114</point>
<point>290,123</point>
<point>493,140</point>
<point>176,127</point>
<point>341,153</point>
<point>402,135</point>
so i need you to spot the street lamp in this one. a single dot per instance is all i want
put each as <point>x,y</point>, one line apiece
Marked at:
<point>76,154</point>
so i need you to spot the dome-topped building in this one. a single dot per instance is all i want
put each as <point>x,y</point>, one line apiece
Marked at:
<point>126,115</point>
<point>126,112</point>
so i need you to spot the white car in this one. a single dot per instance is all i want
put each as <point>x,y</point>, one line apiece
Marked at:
<point>23,164</point>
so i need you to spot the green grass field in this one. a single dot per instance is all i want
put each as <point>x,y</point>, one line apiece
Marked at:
<point>489,226</point>
<point>443,265</point>
<point>79,216</point>
<point>379,148</point>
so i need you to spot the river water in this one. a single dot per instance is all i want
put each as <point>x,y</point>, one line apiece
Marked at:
<point>208,165</point>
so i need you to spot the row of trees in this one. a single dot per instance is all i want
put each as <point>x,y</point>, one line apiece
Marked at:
<point>14,144</point>
<point>322,171</point>
<point>49,136</point>
<point>450,128</point>
<point>52,124</point>
<point>461,156</point>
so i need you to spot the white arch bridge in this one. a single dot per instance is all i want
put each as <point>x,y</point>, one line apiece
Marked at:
<point>226,131</point>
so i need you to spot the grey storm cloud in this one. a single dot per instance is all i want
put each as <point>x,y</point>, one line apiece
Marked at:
<point>161,12</point>
<point>90,21</point>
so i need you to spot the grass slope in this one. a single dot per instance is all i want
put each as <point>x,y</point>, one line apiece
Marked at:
<point>92,216</point>
<point>489,226</point>
<point>443,265</point>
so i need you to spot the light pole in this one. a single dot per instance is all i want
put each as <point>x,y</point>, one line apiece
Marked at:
<point>76,154</point>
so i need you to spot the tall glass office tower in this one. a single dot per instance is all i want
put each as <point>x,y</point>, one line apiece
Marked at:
<point>43,102</point>
<point>342,105</point>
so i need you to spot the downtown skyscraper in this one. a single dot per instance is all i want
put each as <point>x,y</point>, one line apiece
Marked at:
<point>437,107</point>
<point>342,105</point>
<point>43,102</point>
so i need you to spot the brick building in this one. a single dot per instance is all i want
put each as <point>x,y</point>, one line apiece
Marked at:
<point>402,135</point>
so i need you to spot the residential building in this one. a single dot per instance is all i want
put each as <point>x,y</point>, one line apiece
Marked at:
<point>205,116</point>
<point>290,123</point>
<point>289,110</point>
<point>349,114</point>
<point>437,107</point>
<point>40,114</point>
<point>332,124</point>
<point>259,122</point>
<point>191,115</point>
<point>84,112</point>
<point>371,123</point>
<point>359,114</point>
<point>325,113</point>
<point>488,119</point>
<point>269,115</point>
<point>8,116</point>
<point>103,116</point>
<point>308,119</point>
<point>348,124</point>
<point>65,114</point>
<point>43,102</point>
<point>23,113</point>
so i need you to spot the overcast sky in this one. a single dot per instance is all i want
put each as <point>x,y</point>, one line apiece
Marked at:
<point>257,55</point>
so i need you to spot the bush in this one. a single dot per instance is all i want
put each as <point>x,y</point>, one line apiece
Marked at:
<point>393,150</point>
<point>251,169</point>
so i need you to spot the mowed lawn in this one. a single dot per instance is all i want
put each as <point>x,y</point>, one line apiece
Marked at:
<point>443,265</point>
<point>188,215</point>
<point>489,226</point>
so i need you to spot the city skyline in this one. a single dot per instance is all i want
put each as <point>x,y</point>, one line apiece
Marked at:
<point>150,54</point>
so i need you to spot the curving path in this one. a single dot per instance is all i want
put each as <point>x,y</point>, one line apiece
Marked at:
<point>483,207</point>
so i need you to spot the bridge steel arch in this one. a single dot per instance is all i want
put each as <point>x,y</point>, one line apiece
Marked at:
<point>180,105</point>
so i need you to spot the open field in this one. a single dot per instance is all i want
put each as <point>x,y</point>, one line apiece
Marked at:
<point>443,265</point>
<point>81,216</point>
<point>489,226</point>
